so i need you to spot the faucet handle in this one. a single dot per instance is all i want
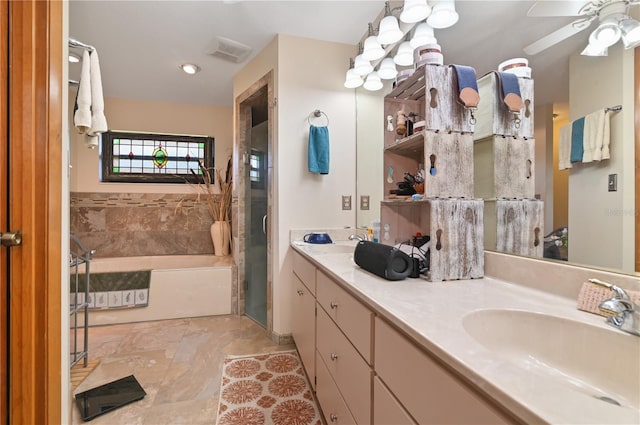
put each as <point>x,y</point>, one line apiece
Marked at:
<point>620,293</point>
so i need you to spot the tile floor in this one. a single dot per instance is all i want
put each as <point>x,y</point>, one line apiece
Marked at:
<point>177,362</point>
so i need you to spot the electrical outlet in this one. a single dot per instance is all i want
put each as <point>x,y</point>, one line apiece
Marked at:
<point>346,202</point>
<point>364,202</point>
<point>613,183</point>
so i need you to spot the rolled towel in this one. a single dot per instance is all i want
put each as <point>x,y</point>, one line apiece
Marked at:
<point>98,120</point>
<point>564,148</point>
<point>318,150</point>
<point>82,115</point>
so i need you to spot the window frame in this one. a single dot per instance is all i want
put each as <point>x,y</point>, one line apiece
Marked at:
<point>106,149</point>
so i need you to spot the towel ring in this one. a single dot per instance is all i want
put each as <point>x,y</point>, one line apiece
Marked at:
<point>317,114</point>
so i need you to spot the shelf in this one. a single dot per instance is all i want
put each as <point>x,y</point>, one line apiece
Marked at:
<point>404,201</point>
<point>410,89</point>
<point>409,146</point>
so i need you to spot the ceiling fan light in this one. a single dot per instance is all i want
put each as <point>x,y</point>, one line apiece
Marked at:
<point>352,80</point>
<point>443,15</point>
<point>404,55</point>
<point>423,35</point>
<point>362,66</point>
<point>372,49</point>
<point>389,31</point>
<point>630,29</point>
<point>607,34</point>
<point>414,11</point>
<point>594,50</point>
<point>373,82</point>
<point>387,70</point>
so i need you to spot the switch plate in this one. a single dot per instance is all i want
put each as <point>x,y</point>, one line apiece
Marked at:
<point>613,183</point>
<point>346,202</point>
<point>364,202</point>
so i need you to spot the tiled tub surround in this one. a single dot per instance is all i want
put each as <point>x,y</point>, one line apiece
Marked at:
<point>180,286</point>
<point>137,224</point>
<point>432,316</point>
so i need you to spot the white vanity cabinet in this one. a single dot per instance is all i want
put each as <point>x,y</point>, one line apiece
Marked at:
<point>304,313</point>
<point>429,392</point>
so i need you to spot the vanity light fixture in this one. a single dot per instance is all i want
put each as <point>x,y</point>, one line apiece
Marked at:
<point>389,31</point>
<point>352,80</point>
<point>372,48</point>
<point>73,58</point>
<point>373,82</point>
<point>423,35</point>
<point>404,55</point>
<point>190,68</point>
<point>630,29</point>
<point>362,66</point>
<point>387,70</point>
<point>443,14</point>
<point>414,11</point>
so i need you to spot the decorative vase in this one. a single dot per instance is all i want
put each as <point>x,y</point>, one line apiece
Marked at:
<point>221,236</point>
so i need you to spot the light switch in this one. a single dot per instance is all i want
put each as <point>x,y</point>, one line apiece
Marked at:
<point>364,202</point>
<point>613,183</point>
<point>346,202</point>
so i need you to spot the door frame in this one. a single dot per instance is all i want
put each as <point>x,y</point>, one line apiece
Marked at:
<point>35,207</point>
<point>242,124</point>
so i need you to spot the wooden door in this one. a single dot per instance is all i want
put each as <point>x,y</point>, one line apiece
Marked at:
<point>4,318</point>
<point>31,143</point>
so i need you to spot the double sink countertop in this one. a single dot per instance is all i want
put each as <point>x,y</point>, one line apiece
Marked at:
<point>531,351</point>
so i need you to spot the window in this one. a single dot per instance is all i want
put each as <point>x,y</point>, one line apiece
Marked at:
<point>154,158</point>
<point>257,169</point>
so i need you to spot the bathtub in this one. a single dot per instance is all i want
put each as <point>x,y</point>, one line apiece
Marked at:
<point>181,286</point>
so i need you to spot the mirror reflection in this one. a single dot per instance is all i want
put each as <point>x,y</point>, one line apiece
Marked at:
<point>587,219</point>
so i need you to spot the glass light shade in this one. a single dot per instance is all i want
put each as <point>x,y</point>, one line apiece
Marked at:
<point>423,35</point>
<point>361,66</point>
<point>443,14</point>
<point>372,49</point>
<point>404,56</point>
<point>352,80</point>
<point>387,70</point>
<point>607,34</point>
<point>630,33</point>
<point>373,82</point>
<point>389,31</point>
<point>73,58</point>
<point>414,11</point>
<point>594,50</point>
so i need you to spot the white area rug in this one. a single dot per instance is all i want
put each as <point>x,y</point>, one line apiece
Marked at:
<point>266,389</point>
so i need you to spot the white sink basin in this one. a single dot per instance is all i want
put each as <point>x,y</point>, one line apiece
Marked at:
<point>597,361</point>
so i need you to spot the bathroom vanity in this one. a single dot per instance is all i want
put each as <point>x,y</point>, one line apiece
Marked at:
<point>467,351</point>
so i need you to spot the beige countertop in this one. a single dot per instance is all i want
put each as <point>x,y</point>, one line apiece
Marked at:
<point>433,315</point>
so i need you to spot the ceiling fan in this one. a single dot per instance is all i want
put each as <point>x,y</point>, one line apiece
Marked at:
<point>612,15</point>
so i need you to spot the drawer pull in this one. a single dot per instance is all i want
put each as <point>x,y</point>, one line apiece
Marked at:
<point>333,305</point>
<point>300,292</point>
<point>334,357</point>
<point>333,417</point>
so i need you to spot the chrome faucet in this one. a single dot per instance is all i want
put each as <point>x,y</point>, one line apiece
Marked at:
<point>621,312</point>
<point>358,237</point>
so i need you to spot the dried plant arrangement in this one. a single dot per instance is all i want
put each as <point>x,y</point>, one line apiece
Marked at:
<point>215,190</point>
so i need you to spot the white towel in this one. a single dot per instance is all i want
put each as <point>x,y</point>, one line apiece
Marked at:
<point>82,116</point>
<point>602,151</point>
<point>564,148</point>
<point>98,120</point>
<point>592,138</point>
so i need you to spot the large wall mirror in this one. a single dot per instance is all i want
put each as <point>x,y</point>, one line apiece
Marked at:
<point>600,223</point>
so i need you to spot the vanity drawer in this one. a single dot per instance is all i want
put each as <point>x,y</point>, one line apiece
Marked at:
<point>386,409</point>
<point>333,406</point>
<point>306,271</point>
<point>430,393</point>
<point>303,327</point>
<point>350,372</point>
<point>353,318</point>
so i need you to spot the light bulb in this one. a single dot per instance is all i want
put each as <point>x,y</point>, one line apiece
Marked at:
<point>190,68</point>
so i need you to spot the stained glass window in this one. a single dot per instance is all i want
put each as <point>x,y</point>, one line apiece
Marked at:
<point>154,158</point>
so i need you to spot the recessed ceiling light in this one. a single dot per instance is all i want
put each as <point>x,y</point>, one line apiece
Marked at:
<point>190,68</point>
<point>73,58</point>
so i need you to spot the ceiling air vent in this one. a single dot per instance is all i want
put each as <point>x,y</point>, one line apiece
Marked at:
<point>231,50</point>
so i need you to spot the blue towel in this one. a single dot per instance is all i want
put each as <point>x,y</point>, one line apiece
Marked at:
<point>577,137</point>
<point>318,150</point>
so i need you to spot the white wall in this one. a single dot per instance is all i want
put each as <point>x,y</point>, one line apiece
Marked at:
<point>309,75</point>
<point>601,231</point>
<point>152,117</point>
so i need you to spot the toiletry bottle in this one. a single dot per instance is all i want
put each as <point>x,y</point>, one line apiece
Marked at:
<point>370,234</point>
<point>376,231</point>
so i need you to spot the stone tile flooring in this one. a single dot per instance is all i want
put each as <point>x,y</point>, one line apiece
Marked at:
<point>177,362</point>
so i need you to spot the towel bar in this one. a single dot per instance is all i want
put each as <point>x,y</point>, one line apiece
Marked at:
<point>317,114</point>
